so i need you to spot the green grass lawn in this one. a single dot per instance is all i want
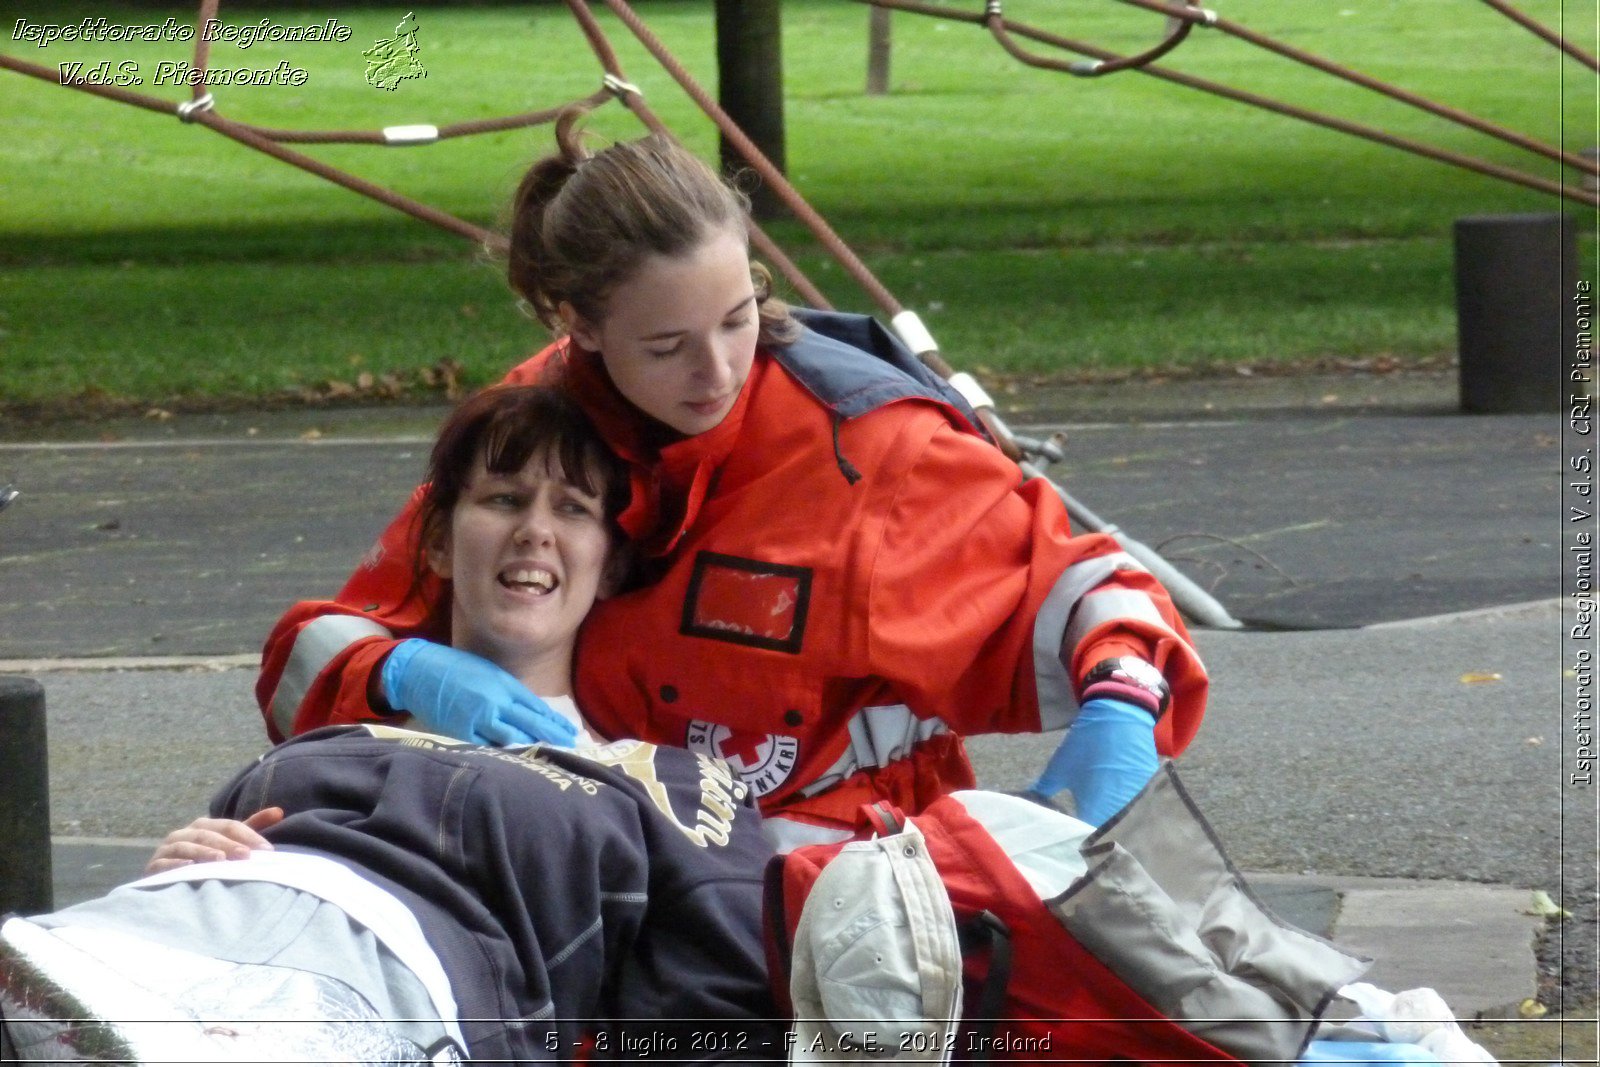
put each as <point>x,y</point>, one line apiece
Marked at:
<point>1042,224</point>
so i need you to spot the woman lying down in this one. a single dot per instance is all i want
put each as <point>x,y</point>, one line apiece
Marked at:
<point>427,900</point>
<point>432,900</point>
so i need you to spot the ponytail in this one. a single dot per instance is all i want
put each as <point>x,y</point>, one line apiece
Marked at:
<point>529,259</point>
<point>583,222</point>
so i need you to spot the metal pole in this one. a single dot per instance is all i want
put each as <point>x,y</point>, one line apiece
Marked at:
<point>1200,606</point>
<point>25,876</point>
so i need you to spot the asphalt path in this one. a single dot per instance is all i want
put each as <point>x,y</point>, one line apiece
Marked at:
<point>1304,764</point>
<point>192,538</point>
<point>1313,510</point>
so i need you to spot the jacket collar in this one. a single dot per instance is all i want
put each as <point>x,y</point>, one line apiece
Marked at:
<point>670,475</point>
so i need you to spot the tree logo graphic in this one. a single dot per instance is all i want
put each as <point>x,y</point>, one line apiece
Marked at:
<point>392,61</point>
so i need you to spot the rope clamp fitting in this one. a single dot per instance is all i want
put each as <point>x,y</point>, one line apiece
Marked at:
<point>971,391</point>
<point>190,108</point>
<point>619,87</point>
<point>991,9</point>
<point>404,135</point>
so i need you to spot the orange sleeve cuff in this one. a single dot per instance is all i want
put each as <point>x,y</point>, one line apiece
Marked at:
<point>1099,647</point>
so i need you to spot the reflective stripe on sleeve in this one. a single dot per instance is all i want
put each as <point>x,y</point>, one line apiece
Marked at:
<point>1109,605</point>
<point>315,645</point>
<point>878,737</point>
<point>1058,702</point>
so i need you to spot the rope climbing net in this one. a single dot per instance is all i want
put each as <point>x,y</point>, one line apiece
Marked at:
<point>1180,19</point>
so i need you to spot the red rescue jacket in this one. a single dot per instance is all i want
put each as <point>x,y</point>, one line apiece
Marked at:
<point>848,579</point>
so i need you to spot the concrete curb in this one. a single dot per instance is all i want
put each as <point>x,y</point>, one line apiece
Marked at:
<point>1471,942</point>
<point>130,663</point>
<point>1499,611</point>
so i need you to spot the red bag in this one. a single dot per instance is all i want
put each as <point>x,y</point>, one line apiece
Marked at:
<point>988,927</point>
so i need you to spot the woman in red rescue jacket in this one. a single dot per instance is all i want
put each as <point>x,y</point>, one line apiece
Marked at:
<point>839,577</point>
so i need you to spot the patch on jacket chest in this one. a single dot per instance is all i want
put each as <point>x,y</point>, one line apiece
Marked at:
<point>747,602</point>
<point>762,761</point>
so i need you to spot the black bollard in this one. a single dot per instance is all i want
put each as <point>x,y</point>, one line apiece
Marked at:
<point>25,876</point>
<point>1515,280</point>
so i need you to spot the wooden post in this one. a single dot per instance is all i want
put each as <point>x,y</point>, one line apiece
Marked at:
<point>25,876</point>
<point>877,51</point>
<point>750,70</point>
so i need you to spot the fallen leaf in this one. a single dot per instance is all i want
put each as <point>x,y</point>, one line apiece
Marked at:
<point>311,434</point>
<point>1546,908</point>
<point>1531,1009</point>
<point>1534,742</point>
<point>159,414</point>
<point>1479,677</point>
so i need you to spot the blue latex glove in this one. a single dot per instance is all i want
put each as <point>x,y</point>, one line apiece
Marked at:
<point>458,694</point>
<point>1108,755</point>
<point>1369,1052</point>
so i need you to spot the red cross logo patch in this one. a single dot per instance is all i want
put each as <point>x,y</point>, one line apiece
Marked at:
<point>762,761</point>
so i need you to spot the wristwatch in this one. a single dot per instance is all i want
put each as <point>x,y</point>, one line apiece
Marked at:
<point>1128,678</point>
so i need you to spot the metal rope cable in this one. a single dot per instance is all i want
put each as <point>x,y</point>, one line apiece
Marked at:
<point>202,53</point>
<point>858,271</point>
<point>1443,111</point>
<point>633,100</point>
<point>110,92</point>
<point>262,137</point>
<point>1177,30</point>
<point>758,161</point>
<point>1442,155</point>
<point>802,210</point>
<point>245,134</point>
<point>1195,602</point>
<point>444,220</point>
<point>1190,598</point>
<point>202,46</point>
<point>440,133</point>
<point>1547,34</point>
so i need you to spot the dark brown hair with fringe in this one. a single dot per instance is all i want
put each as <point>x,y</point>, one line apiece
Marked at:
<point>508,425</point>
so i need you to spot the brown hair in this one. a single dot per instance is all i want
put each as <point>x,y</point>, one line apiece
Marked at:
<point>582,223</point>
<point>508,425</point>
